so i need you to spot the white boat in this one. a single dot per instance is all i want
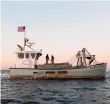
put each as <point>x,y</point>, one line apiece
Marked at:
<point>86,67</point>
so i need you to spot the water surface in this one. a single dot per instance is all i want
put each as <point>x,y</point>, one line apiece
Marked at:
<point>79,91</point>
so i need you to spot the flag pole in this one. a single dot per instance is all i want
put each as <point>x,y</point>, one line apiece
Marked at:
<point>24,36</point>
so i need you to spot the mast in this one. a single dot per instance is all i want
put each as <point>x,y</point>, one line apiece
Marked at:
<point>24,27</point>
<point>79,62</point>
<point>27,56</point>
<point>92,56</point>
<point>83,55</point>
<point>84,58</point>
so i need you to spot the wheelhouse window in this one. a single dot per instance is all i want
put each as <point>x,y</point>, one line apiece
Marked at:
<point>27,55</point>
<point>62,72</point>
<point>20,55</point>
<point>32,55</point>
<point>50,72</point>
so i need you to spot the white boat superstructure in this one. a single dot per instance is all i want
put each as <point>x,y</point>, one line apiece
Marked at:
<point>86,66</point>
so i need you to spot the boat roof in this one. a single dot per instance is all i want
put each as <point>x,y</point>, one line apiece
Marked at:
<point>27,52</point>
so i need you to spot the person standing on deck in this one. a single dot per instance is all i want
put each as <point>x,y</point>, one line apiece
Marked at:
<point>47,58</point>
<point>52,59</point>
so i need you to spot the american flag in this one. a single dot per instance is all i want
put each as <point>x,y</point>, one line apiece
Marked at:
<point>21,29</point>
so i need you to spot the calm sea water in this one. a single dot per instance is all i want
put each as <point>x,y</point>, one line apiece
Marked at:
<point>55,91</point>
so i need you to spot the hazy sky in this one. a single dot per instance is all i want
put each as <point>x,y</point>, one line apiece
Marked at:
<point>59,28</point>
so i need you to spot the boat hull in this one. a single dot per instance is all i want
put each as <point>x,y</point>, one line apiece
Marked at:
<point>95,72</point>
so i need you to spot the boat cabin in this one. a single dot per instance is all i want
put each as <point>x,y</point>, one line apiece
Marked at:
<point>28,58</point>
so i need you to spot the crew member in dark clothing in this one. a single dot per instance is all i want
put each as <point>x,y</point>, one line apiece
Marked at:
<point>47,58</point>
<point>52,59</point>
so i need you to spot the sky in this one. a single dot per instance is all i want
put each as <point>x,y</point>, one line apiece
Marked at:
<point>59,28</point>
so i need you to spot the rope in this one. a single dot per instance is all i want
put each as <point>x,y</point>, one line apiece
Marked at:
<point>71,59</point>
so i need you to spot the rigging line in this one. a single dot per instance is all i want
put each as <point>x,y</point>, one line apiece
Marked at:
<point>95,62</point>
<point>74,60</point>
<point>71,59</point>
